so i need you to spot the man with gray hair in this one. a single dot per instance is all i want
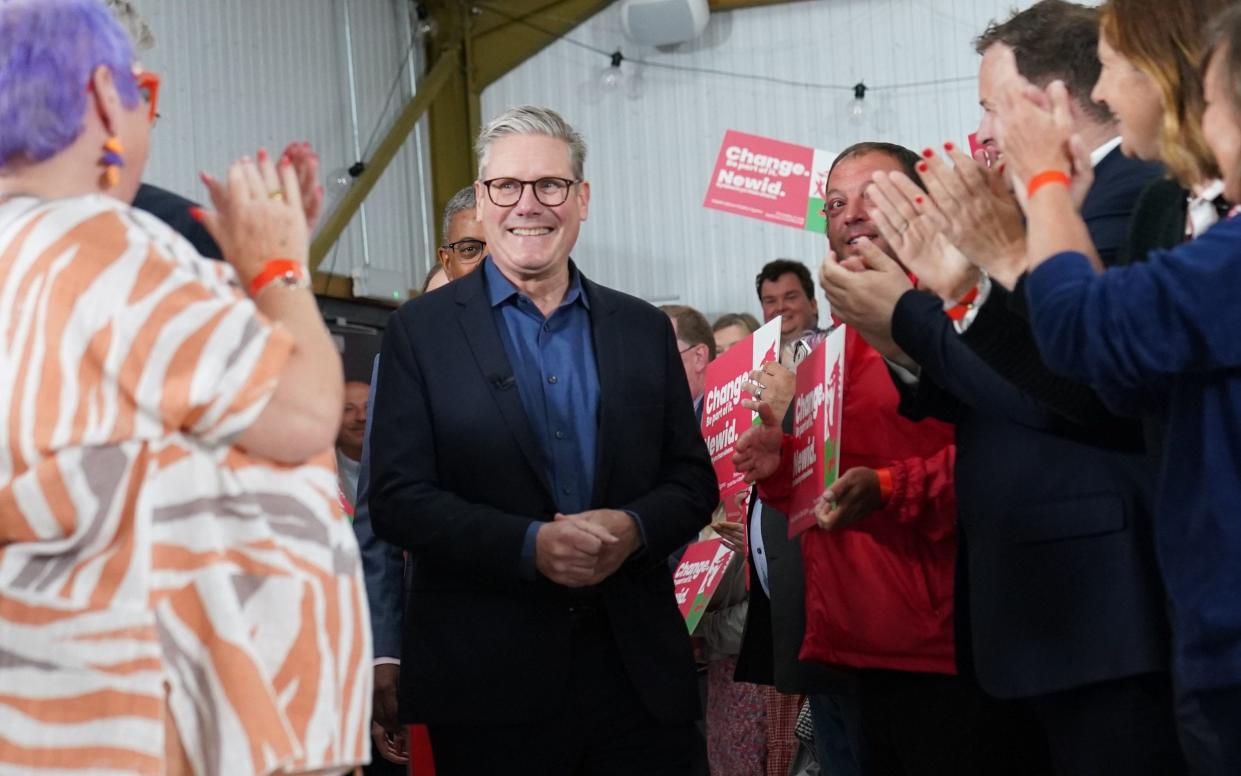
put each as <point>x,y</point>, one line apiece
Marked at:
<point>535,451</point>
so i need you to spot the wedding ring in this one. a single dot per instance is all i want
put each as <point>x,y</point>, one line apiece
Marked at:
<point>758,392</point>
<point>276,195</point>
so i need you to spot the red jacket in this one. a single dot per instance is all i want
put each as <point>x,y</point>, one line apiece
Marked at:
<point>879,594</point>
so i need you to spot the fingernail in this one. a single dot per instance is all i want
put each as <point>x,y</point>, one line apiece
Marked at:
<point>262,155</point>
<point>928,153</point>
<point>284,162</point>
<point>917,200</point>
<point>196,213</point>
<point>949,146</point>
<point>923,166</point>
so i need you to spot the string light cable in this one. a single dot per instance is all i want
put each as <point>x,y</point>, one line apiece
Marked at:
<point>616,57</point>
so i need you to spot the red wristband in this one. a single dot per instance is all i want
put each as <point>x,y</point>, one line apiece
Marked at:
<point>273,270</point>
<point>1045,177</point>
<point>958,311</point>
<point>885,483</point>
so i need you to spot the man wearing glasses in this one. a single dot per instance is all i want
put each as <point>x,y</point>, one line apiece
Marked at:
<point>463,249</point>
<point>536,453</point>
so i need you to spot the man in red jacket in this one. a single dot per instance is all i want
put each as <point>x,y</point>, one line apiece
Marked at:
<point>879,567</point>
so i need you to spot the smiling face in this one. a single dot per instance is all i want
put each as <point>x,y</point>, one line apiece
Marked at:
<point>530,240</point>
<point>1221,124</point>
<point>1134,98</point>
<point>462,226</point>
<point>847,202</point>
<point>785,297</point>
<point>992,71</point>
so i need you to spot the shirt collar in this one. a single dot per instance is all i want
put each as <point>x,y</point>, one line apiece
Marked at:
<point>1102,151</point>
<point>500,289</point>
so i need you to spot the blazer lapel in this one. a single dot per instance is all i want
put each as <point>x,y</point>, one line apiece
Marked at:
<point>610,361</point>
<point>478,323</point>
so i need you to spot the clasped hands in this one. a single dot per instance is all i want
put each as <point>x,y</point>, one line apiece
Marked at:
<point>585,548</point>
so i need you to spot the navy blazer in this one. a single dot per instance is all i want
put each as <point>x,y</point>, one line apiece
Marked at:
<point>1057,585</point>
<point>456,479</point>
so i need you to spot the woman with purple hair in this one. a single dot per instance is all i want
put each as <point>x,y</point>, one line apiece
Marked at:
<point>179,590</point>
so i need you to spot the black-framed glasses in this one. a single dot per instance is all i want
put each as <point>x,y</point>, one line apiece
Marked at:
<point>468,250</point>
<point>550,192</point>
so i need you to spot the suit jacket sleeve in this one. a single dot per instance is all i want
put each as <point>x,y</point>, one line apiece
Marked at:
<point>383,565</point>
<point>1005,341</point>
<point>921,329</point>
<point>687,493</point>
<point>408,508</point>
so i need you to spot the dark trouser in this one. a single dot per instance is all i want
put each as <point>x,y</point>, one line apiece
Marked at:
<point>602,728</point>
<point>1122,726</point>
<point>916,724</point>
<point>1210,731</point>
<point>381,767</point>
<point>837,732</point>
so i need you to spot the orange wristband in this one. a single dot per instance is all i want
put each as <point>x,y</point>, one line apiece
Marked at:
<point>885,483</point>
<point>1045,177</point>
<point>291,271</point>
<point>957,312</point>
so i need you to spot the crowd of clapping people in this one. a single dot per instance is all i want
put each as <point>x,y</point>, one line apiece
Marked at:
<point>1030,562</point>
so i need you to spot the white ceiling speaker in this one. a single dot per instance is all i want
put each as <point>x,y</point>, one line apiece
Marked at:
<point>663,22</point>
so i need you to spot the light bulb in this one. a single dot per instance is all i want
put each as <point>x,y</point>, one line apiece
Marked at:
<point>611,77</point>
<point>341,179</point>
<point>857,106</point>
<point>425,27</point>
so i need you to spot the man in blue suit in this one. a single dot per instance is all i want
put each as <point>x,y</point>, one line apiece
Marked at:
<point>1058,598</point>
<point>534,450</point>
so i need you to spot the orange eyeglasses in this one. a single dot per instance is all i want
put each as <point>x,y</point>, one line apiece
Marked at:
<point>148,87</point>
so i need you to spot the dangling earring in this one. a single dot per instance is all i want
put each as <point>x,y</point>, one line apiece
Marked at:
<point>112,162</point>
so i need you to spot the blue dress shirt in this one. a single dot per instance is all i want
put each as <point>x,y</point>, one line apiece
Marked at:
<point>553,361</point>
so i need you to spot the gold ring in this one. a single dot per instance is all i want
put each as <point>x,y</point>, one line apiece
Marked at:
<point>276,195</point>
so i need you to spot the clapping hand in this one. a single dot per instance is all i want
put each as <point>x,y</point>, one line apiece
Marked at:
<point>258,215</point>
<point>863,292</point>
<point>915,229</point>
<point>306,164</point>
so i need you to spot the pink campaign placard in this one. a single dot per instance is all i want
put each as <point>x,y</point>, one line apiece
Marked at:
<point>818,400</point>
<point>698,576</point>
<point>724,419</point>
<point>762,178</point>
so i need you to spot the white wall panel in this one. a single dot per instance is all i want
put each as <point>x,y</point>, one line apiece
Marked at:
<point>238,74</point>
<point>651,155</point>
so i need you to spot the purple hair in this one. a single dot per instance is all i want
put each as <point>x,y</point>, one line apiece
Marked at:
<point>48,50</point>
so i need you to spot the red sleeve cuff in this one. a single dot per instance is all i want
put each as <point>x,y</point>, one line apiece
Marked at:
<point>885,484</point>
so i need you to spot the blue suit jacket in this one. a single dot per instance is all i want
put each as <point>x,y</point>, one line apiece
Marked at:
<point>1056,579</point>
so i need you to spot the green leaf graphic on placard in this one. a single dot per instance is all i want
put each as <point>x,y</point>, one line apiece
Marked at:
<point>830,466</point>
<point>696,610</point>
<point>815,220</point>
